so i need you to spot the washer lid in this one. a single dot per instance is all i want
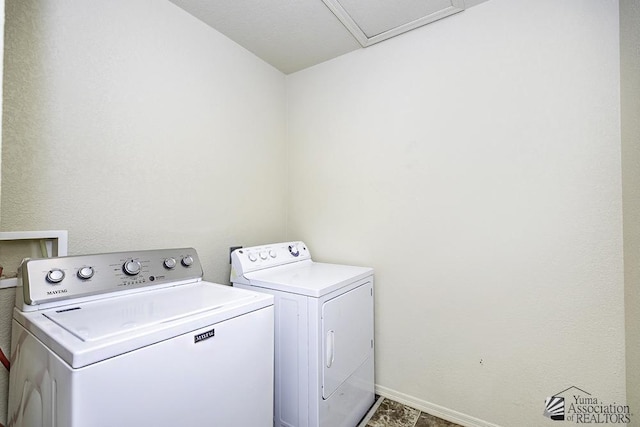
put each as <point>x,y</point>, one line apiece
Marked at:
<point>89,332</point>
<point>106,318</point>
<point>307,277</point>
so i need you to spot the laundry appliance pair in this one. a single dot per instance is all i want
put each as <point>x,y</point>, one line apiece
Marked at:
<point>139,338</point>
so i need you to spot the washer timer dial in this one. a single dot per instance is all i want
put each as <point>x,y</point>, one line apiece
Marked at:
<point>131,267</point>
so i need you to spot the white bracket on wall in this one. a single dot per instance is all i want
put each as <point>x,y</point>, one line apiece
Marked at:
<point>47,244</point>
<point>374,21</point>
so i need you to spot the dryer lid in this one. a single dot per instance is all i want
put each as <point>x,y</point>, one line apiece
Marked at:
<point>103,319</point>
<point>307,277</point>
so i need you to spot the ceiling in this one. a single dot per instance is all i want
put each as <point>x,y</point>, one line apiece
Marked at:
<point>293,35</point>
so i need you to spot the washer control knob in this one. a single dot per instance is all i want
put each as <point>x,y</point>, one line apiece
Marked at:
<point>263,255</point>
<point>85,273</point>
<point>293,250</point>
<point>169,263</point>
<point>187,261</point>
<point>132,267</point>
<point>252,257</point>
<point>272,253</point>
<point>55,275</point>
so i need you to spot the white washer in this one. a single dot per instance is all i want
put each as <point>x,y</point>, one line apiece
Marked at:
<point>324,364</point>
<point>138,339</point>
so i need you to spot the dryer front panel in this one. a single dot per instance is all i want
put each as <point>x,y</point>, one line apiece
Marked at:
<point>347,334</point>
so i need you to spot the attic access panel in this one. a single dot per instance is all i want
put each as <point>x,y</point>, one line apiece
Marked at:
<point>372,21</point>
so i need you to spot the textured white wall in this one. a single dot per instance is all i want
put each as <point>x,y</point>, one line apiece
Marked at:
<point>630,115</point>
<point>2,6</point>
<point>475,163</point>
<point>133,125</point>
<point>6,295</point>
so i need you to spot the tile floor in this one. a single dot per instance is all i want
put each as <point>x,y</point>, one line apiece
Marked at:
<point>389,413</point>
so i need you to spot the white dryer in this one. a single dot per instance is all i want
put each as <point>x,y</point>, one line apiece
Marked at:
<point>138,339</point>
<point>324,363</point>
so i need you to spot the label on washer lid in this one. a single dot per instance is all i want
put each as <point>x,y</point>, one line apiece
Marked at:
<point>204,336</point>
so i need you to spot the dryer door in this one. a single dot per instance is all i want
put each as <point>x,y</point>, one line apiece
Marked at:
<point>347,331</point>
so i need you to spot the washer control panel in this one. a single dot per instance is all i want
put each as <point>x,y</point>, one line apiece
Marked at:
<point>53,279</point>
<point>254,258</point>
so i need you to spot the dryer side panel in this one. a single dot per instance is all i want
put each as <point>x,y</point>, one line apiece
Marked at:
<point>293,347</point>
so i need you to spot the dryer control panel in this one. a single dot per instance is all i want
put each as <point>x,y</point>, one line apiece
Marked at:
<point>245,260</point>
<point>50,280</point>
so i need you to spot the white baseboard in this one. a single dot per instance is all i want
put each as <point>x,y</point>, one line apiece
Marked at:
<point>432,408</point>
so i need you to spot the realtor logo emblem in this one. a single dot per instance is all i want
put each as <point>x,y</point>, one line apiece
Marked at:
<point>554,408</point>
<point>577,406</point>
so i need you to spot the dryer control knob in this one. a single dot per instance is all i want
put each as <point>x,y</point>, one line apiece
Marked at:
<point>187,261</point>
<point>55,275</point>
<point>85,273</point>
<point>252,257</point>
<point>263,255</point>
<point>131,267</point>
<point>293,250</point>
<point>169,263</point>
<point>272,253</point>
